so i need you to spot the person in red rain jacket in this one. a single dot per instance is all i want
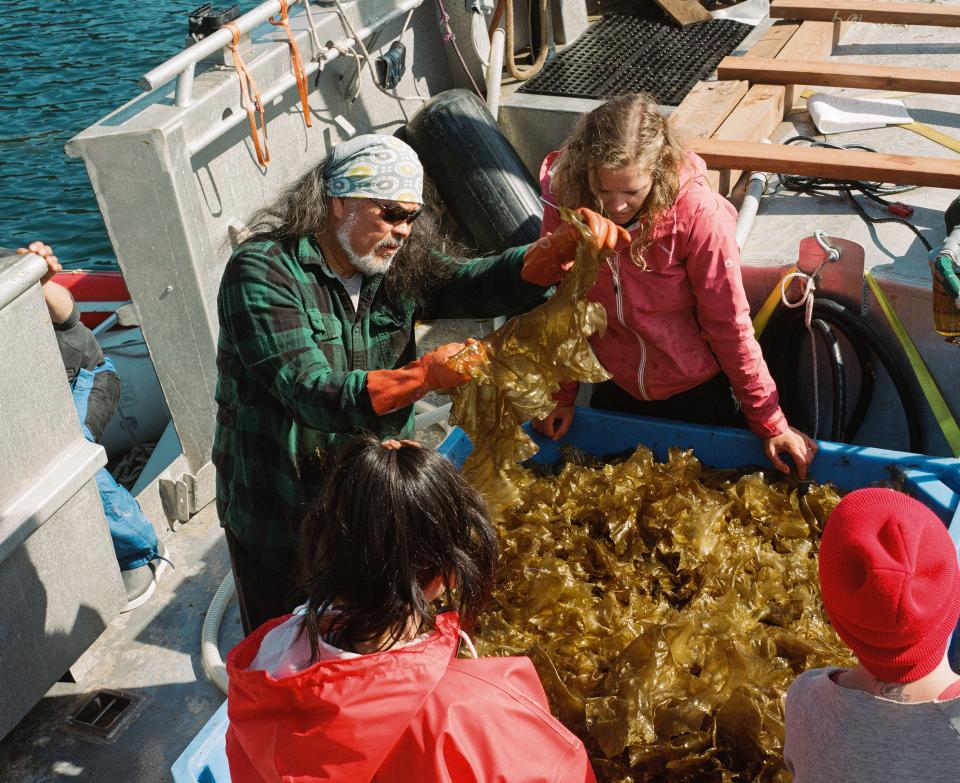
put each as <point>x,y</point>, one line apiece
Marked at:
<point>678,331</point>
<point>363,682</point>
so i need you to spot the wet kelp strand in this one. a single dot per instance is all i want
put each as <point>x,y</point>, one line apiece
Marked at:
<point>667,608</point>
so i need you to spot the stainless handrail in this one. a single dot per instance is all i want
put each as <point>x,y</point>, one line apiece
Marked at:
<point>288,81</point>
<point>182,64</point>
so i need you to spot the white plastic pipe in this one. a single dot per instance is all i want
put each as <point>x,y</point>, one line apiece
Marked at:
<point>756,187</point>
<point>209,636</point>
<point>495,71</point>
<point>427,415</point>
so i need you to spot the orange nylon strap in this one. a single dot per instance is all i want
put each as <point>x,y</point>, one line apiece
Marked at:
<point>249,98</point>
<point>295,60</point>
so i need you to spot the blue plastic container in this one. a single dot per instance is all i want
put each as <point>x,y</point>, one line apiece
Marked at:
<point>934,481</point>
<point>204,760</point>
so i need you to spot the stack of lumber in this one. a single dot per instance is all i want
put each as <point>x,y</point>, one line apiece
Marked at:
<point>725,121</point>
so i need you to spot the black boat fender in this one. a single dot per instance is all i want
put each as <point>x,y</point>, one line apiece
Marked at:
<point>482,180</point>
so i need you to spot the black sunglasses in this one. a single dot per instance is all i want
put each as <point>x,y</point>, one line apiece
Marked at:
<point>393,213</point>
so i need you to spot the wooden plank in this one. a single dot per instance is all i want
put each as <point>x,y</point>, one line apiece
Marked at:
<point>708,103</point>
<point>772,41</point>
<point>835,164</point>
<point>705,108</point>
<point>841,74</point>
<point>756,118</point>
<point>867,11</point>
<point>685,12</point>
<point>813,41</point>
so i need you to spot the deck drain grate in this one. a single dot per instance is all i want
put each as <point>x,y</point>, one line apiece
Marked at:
<point>101,716</point>
<point>624,53</point>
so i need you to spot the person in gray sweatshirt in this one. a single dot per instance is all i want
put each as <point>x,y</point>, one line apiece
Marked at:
<point>891,587</point>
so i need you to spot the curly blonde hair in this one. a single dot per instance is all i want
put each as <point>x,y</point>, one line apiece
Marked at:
<point>624,131</point>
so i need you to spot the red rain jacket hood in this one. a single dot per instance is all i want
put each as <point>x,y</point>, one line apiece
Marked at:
<point>414,713</point>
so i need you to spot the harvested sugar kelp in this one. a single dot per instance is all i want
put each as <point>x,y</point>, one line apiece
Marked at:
<point>526,359</point>
<point>667,609</point>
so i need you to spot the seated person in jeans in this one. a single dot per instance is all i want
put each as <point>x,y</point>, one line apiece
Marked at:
<point>96,394</point>
<point>891,587</point>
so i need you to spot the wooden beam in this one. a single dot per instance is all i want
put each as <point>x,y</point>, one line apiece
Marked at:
<point>773,40</point>
<point>835,164</point>
<point>813,41</point>
<point>705,108</point>
<point>867,11</point>
<point>756,118</point>
<point>841,74</point>
<point>708,103</point>
<point>685,12</point>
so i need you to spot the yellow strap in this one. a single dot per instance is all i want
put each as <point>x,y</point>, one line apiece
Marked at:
<point>933,134</point>
<point>941,411</point>
<point>762,317</point>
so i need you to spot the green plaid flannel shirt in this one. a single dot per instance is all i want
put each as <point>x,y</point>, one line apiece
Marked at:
<point>292,362</point>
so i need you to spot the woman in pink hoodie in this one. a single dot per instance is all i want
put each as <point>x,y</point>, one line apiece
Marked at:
<point>679,341</point>
<point>363,682</point>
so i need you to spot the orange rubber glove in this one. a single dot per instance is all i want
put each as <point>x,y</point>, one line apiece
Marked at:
<point>391,390</point>
<point>549,257</point>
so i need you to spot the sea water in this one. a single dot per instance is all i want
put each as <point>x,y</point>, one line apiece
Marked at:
<point>63,66</point>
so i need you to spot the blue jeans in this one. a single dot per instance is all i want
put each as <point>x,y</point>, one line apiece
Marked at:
<point>134,540</point>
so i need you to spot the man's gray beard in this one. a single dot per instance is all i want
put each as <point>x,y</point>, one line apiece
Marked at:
<point>369,264</point>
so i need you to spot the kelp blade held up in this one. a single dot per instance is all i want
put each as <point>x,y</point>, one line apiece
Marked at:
<point>526,359</point>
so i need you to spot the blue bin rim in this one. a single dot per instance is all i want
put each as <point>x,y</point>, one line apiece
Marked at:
<point>205,750</point>
<point>934,481</point>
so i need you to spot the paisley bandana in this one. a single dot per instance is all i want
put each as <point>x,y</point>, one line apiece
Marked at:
<point>375,166</point>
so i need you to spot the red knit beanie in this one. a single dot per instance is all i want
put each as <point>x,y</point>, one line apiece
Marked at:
<point>890,582</point>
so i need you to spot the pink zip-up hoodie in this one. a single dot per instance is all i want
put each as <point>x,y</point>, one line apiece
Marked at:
<point>676,324</point>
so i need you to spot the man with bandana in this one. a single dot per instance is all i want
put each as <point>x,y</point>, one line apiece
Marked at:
<point>317,313</point>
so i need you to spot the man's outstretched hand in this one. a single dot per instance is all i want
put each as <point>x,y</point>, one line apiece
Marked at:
<point>549,257</point>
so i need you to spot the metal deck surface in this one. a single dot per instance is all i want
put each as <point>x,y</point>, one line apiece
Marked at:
<point>151,653</point>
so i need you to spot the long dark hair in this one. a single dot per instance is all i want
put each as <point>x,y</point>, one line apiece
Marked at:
<point>389,523</point>
<point>427,258</point>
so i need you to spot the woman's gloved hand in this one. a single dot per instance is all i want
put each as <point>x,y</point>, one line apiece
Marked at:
<point>391,390</point>
<point>548,258</point>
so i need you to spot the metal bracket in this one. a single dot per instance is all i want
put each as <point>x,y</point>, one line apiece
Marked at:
<point>185,496</point>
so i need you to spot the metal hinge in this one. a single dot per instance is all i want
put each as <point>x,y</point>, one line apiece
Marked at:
<point>183,497</point>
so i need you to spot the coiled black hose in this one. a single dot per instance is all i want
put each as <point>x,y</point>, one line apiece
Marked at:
<point>839,377</point>
<point>781,346</point>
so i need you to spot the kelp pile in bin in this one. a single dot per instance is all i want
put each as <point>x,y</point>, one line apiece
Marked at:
<point>667,608</point>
